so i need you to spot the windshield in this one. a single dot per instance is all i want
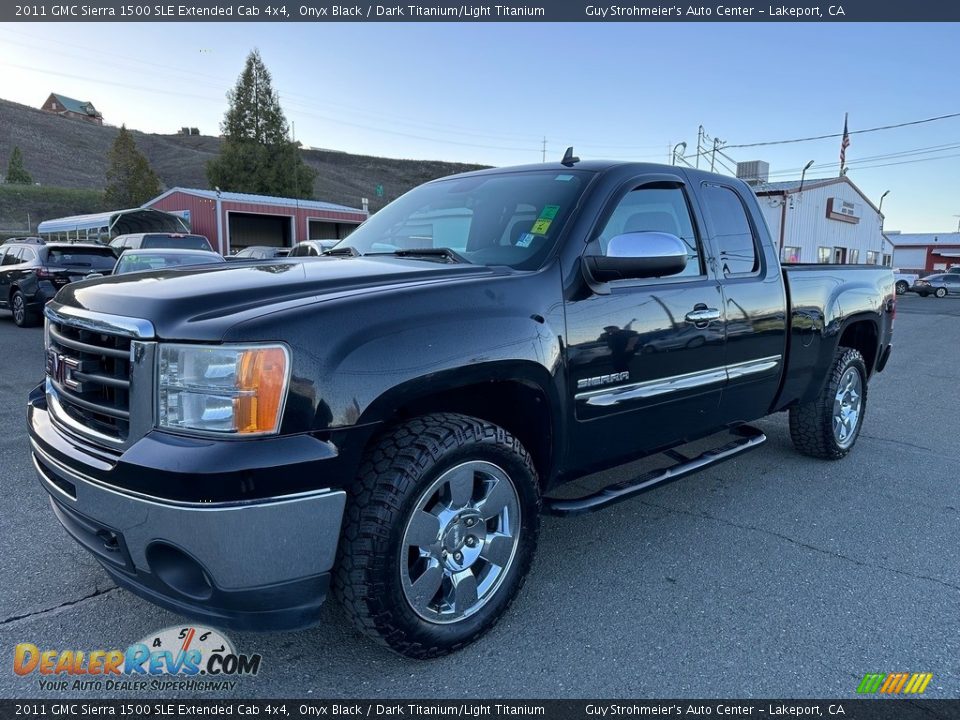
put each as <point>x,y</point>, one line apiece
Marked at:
<point>132,261</point>
<point>86,257</point>
<point>191,242</point>
<point>511,219</point>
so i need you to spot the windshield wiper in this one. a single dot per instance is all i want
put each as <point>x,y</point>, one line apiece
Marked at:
<point>345,250</point>
<point>449,255</point>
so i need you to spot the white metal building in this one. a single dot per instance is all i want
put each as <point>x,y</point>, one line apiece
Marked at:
<point>826,221</point>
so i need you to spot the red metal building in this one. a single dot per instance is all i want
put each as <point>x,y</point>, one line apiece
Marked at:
<point>233,221</point>
<point>925,252</point>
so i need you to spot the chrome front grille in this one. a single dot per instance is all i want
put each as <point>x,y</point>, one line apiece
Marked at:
<point>90,371</point>
<point>96,364</point>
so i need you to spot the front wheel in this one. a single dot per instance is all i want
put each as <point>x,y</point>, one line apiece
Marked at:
<point>439,534</point>
<point>940,292</point>
<point>902,287</point>
<point>829,426</point>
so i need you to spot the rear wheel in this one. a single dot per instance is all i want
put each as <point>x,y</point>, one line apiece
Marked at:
<point>902,287</point>
<point>829,426</point>
<point>439,534</point>
<point>940,292</point>
<point>22,315</point>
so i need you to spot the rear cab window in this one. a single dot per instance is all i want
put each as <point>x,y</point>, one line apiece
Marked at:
<point>731,229</point>
<point>190,242</point>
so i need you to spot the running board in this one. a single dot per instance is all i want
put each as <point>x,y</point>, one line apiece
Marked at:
<point>750,438</point>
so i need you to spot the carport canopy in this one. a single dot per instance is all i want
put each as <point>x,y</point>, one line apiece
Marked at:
<point>113,223</point>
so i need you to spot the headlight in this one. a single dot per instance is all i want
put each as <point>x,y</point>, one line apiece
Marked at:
<point>228,389</point>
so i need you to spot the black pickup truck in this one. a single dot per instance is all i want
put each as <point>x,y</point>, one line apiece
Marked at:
<point>388,421</point>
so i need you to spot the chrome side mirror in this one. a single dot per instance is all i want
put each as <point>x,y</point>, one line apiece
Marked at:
<point>639,255</point>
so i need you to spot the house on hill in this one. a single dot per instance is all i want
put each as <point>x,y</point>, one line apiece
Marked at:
<point>68,107</point>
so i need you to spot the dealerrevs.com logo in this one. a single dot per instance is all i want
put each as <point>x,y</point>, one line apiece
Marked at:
<point>177,658</point>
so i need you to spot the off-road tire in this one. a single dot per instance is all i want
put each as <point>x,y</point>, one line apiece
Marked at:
<point>811,424</point>
<point>393,475</point>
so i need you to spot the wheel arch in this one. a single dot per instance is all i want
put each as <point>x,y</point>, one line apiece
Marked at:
<point>520,397</point>
<point>862,333</point>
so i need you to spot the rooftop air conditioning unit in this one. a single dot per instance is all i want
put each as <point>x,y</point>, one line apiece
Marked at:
<point>753,172</point>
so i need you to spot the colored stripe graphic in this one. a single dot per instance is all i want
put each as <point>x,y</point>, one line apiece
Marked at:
<point>871,682</point>
<point>894,683</point>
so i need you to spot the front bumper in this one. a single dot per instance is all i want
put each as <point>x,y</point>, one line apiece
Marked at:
<point>261,564</point>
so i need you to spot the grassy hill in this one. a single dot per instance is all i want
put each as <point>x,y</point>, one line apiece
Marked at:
<point>64,154</point>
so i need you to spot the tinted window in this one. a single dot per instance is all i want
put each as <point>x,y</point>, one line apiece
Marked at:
<point>85,257</point>
<point>12,257</point>
<point>653,209</point>
<point>190,242</point>
<point>731,230</point>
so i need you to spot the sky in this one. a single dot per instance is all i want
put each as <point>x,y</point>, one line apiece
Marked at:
<point>491,92</point>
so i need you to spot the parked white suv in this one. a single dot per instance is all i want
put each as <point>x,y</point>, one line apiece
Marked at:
<point>904,281</point>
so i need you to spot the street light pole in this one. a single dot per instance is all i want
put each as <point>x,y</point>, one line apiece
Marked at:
<point>803,175</point>
<point>682,146</point>
<point>880,206</point>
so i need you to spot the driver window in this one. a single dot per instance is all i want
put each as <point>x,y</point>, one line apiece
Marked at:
<point>654,209</point>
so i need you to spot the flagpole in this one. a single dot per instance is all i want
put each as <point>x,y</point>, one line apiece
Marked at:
<point>844,144</point>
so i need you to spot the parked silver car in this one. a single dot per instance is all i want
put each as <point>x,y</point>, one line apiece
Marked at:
<point>939,285</point>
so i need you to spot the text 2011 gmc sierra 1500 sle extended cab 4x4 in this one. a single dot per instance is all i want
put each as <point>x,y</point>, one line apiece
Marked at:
<point>388,421</point>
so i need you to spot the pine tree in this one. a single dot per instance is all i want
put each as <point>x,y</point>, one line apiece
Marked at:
<point>16,173</point>
<point>130,180</point>
<point>257,155</point>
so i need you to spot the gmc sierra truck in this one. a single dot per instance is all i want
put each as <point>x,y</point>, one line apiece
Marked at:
<point>388,421</point>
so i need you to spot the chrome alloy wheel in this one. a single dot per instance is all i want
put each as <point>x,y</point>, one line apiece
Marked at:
<point>460,542</point>
<point>847,406</point>
<point>19,309</point>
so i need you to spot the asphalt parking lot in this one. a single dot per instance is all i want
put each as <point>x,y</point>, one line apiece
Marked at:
<point>772,575</point>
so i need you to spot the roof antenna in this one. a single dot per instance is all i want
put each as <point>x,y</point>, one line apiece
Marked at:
<point>569,159</point>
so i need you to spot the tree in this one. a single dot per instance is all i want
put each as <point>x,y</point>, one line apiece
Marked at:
<point>257,155</point>
<point>130,180</point>
<point>16,173</point>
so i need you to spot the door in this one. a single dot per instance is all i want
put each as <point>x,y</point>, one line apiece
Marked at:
<point>754,300</point>
<point>645,357</point>
<point>839,256</point>
<point>4,282</point>
<point>952,282</point>
<point>8,273</point>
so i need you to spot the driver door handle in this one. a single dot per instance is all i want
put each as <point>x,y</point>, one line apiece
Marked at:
<point>702,315</point>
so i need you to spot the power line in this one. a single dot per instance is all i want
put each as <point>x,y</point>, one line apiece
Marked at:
<point>852,132</point>
<point>873,158</point>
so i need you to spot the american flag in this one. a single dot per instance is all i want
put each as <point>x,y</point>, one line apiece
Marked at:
<point>844,144</point>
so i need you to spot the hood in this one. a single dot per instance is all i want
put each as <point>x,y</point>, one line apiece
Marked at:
<point>202,303</point>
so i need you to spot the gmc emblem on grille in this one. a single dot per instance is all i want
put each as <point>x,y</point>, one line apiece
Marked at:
<point>61,369</point>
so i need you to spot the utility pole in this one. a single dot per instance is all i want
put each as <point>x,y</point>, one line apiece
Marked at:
<point>544,148</point>
<point>701,134</point>
<point>713,155</point>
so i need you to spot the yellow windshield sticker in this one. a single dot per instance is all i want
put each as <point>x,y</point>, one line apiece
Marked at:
<point>540,227</point>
